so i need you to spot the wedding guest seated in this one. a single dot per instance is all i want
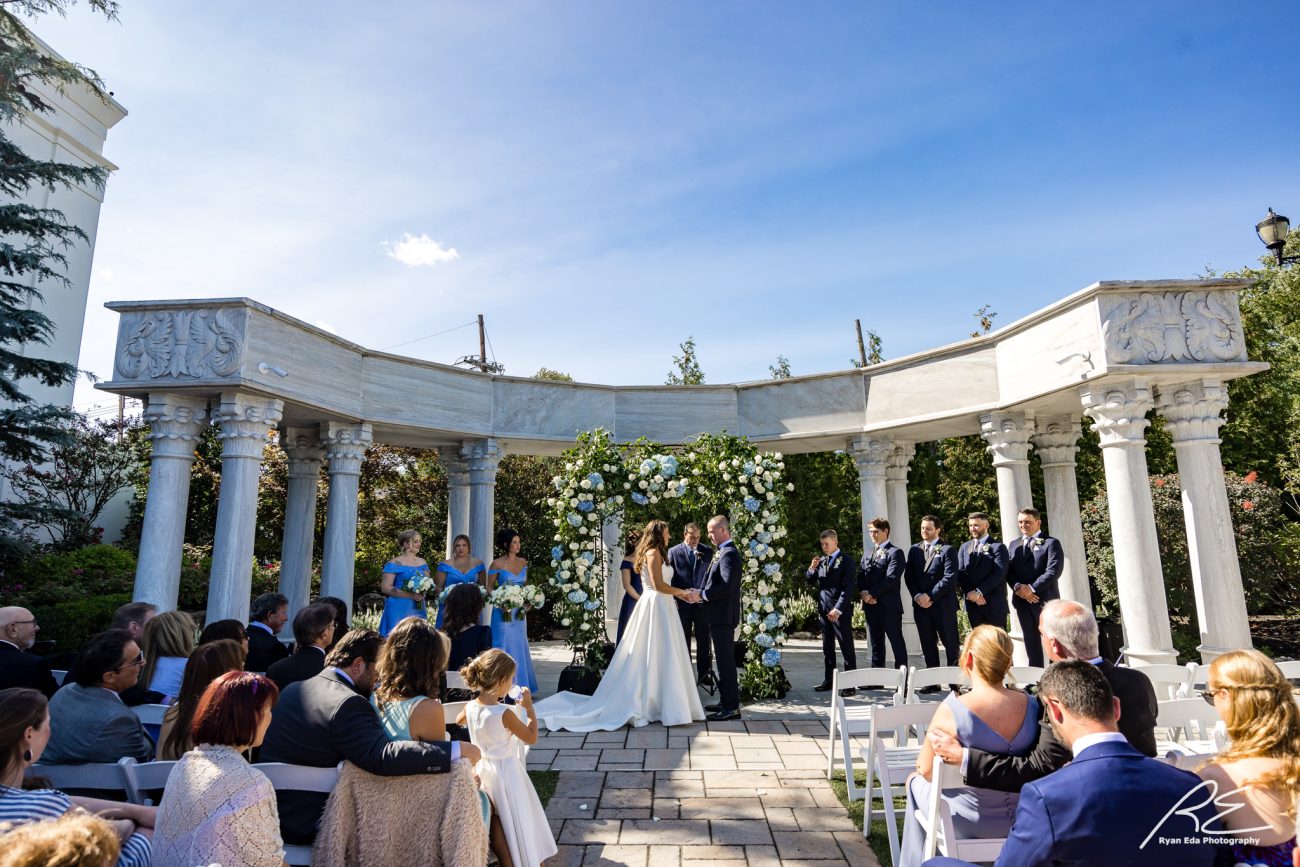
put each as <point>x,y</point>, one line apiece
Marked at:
<point>134,617</point>
<point>1110,804</point>
<point>207,663</point>
<point>1067,631</point>
<point>325,719</point>
<point>266,619</point>
<point>468,636</point>
<point>219,630</point>
<point>91,724</point>
<point>1257,776</point>
<point>25,729</point>
<point>410,666</point>
<point>168,643</point>
<point>74,839</point>
<point>18,667</point>
<point>341,624</point>
<point>313,632</point>
<point>991,717</point>
<point>218,809</point>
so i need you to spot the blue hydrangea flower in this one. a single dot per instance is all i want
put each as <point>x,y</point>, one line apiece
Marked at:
<point>771,657</point>
<point>596,479</point>
<point>588,556</point>
<point>771,569</point>
<point>748,468</point>
<point>577,596</point>
<point>557,553</point>
<point>590,605</point>
<point>559,483</point>
<point>751,504</point>
<point>585,505</point>
<point>575,520</point>
<point>648,467</point>
<point>639,498</point>
<point>765,537</point>
<point>772,621</point>
<point>668,466</point>
<point>764,640</point>
<point>752,618</point>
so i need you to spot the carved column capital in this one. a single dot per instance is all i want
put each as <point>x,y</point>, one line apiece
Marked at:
<point>1057,440</point>
<point>899,462</point>
<point>245,421</point>
<point>345,446</point>
<point>303,447</point>
<point>872,456</point>
<point>454,465</point>
<point>483,457</point>
<point>1118,411</point>
<point>1007,434</point>
<point>175,424</point>
<point>1192,410</point>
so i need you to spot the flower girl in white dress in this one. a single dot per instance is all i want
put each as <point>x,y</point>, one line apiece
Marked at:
<point>501,734</point>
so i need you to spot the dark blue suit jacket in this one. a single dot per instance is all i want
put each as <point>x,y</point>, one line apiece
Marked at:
<point>983,571</point>
<point>883,578</point>
<point>1100,808</point>
<point>679,557</point>
<point>835,584</point>
<point>939,580</point>
<point>722,587</point>
<point>1040,567</point>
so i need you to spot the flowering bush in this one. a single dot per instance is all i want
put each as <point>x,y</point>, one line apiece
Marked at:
<point>602,481</point>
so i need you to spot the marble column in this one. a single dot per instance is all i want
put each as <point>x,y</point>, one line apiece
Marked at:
<point>897,466</point>
<point>1007,434</point>
<point>483,457</point>
<point>1057,444</point>
<point>872,457</point>
<point>246,420</point>
<point>1118,411</point>
<point>345,449</point>
<point>611,538</point>
<point>303,447</point>
<point>457,470</point>
<point>1192,415</point>
<point>175,425</point>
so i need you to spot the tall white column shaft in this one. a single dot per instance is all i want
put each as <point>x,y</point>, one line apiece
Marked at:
<point>1057,444</point>
<point>483,457</point>
<point>611,538</point>
<point>175,424</point>
<point>897,467</point>
<point>1118,411</point>
<point>872,457</point>
<point>345,449</point>
<point>458,505</point>
<point>303,448</point>
<point>1192,414</point>
<point>1008,435</point>
<point>246,420</point>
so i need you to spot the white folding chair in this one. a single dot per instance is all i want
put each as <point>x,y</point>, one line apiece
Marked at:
<point>1025,675</point>
<point>143,778</point>
<point>851,717</point>
<point>920,678</point>
<point>455,681</point>
<point>1290,669</point>
<point>890,766</point>
<point>103,776</point>
<point>1179,718</point>
<point>299,778</point>
<point>940,836</point>
<point>150,714</point>
<point>452,709</point>
<point>60,674</point>
<point>1170,681</point>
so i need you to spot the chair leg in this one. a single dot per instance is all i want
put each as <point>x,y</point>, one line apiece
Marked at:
<point>854,791</point>
<point>830,753</point>
<point>891,818</point>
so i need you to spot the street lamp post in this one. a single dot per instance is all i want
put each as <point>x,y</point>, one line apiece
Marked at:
<point>1273,230</point>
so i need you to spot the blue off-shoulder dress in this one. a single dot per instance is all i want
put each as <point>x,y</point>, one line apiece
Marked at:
<point>397,609</point>
<point>512,636</point>
<point>454,577</point>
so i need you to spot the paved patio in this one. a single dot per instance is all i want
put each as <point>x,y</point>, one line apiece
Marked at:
<point>751,792</point>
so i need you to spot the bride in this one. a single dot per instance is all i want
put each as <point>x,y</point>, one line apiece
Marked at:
<point>650,678</point>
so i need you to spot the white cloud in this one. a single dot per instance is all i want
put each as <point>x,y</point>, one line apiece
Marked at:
<point>412,251</point>
<point>321,323</point>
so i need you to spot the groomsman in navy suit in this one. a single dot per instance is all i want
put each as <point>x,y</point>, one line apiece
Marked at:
<point>690,561</point>
<point>932,584</point>
<point>982,569</point>
<point>880,579</point>
<point>1036,563</point>
<point>835,574</point>
<point>1111,804</point>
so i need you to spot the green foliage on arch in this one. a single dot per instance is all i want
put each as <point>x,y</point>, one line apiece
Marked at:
<point>603,483</point>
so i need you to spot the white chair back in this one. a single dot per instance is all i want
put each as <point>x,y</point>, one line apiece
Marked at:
<point>150,714</point>
<point>940,675</point>
<point>299,778</point>
<point>1025,675</point>
<point>851,716</point>
<point>940,836</point>
<point>452,709</point>
<point>455,681</point>
<point>1197,676</point>
<point>141,779</point>
<point>1170,681</point>
<point>1182,716</point>
<point>105,776</point>
<point>1290,669</point>
<point>889,766</point>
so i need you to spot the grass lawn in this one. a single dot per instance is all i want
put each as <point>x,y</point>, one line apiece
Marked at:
<point>878,841</point>
<point>546,781</point>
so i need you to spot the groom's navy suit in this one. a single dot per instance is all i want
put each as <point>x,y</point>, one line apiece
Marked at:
<point>836,580</point>
<point>721,594</point>
<point>1038,565</point>
<point>881,575</point>
<point>982,566</point>
<point>689,572</point>
<point>932,570</point>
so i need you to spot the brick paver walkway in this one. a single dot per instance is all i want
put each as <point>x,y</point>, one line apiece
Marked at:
<point>752,792</point>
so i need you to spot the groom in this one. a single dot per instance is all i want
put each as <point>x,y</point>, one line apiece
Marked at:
<point>720,599</point>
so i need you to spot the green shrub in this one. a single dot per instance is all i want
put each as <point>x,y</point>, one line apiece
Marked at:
<point>95,570</point>
<point>70,624</point>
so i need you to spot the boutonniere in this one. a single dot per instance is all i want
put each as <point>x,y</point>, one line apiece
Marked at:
<point>1036,543</point>
<point>984,549</point>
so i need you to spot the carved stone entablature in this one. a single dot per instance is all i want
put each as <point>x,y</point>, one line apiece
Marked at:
<point>1151,328</point>
<point>180,344</point>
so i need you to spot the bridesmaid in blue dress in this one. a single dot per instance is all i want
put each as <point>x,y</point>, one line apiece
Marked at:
<point>511,636</point>
<point>462,568</point>
<point>398,572</point>
<point>631,585</point>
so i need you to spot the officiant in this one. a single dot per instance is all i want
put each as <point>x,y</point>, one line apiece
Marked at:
<point>835,575</point>
<point>690,561</point>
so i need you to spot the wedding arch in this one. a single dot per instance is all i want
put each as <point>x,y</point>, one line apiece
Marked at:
<point>604,485</point>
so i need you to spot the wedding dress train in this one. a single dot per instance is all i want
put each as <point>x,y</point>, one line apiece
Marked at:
<point>650,679</point>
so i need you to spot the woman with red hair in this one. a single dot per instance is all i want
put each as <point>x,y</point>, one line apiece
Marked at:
<point>217,808</point>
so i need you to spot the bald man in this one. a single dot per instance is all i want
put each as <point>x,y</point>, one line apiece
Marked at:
<point>18,630</point>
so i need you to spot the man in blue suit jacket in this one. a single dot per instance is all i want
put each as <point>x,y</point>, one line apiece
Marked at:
<point>1036,563</point>
<point>982,570</point>
<point>835,574</point>
<point>880,577</point>
<point>690,561</point>
<point>932,583</point>
<point>1111,805</point>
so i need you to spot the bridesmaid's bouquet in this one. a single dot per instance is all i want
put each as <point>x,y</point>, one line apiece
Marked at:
<point>516,599</point>
<point>420,582</point>
<point>442,597</point>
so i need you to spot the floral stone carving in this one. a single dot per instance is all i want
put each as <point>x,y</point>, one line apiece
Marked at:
<point>181,344</point>
<point>1175,326</point>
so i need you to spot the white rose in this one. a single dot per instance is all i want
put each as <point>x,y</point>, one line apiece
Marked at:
<point>591,516</point>
<point>780,552</point>
<point>695,472</point>
<point>573,546</point>
<point>771,496</point>
<point>550,501</point>
<point>742,478</point>
<point>556,522</point>
<point>608,468</point>
<point>627,486</point>
<point>574,502</point>
<point>643,484</point>
<point>735,462</point>
<point>726,477</point>
<point>659,479</point>
<point>753,564</point>
<point>585,484</point>
<point>619,499</point>
<point>790,486</point>
<point>768,608</point>
<point>582,531</point>
<point>564,622</point>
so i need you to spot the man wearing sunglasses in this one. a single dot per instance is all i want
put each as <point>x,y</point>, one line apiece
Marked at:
<point>18,668</point>
<point>88,721</point>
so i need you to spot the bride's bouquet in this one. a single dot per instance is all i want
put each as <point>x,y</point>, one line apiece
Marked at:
<point>516,599</point>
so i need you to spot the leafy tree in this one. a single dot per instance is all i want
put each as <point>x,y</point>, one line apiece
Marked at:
<point>875,351</point>
<point>780,370</point>
<point>687,366</point>
<point>554,375</point>
<point>984,316</point>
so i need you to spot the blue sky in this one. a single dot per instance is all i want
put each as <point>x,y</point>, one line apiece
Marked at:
<point>614,177</point>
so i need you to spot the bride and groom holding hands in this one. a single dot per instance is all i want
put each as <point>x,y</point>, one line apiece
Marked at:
<point>651,678</point>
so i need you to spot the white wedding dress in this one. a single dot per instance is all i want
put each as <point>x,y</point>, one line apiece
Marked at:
<point>650,679</point>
